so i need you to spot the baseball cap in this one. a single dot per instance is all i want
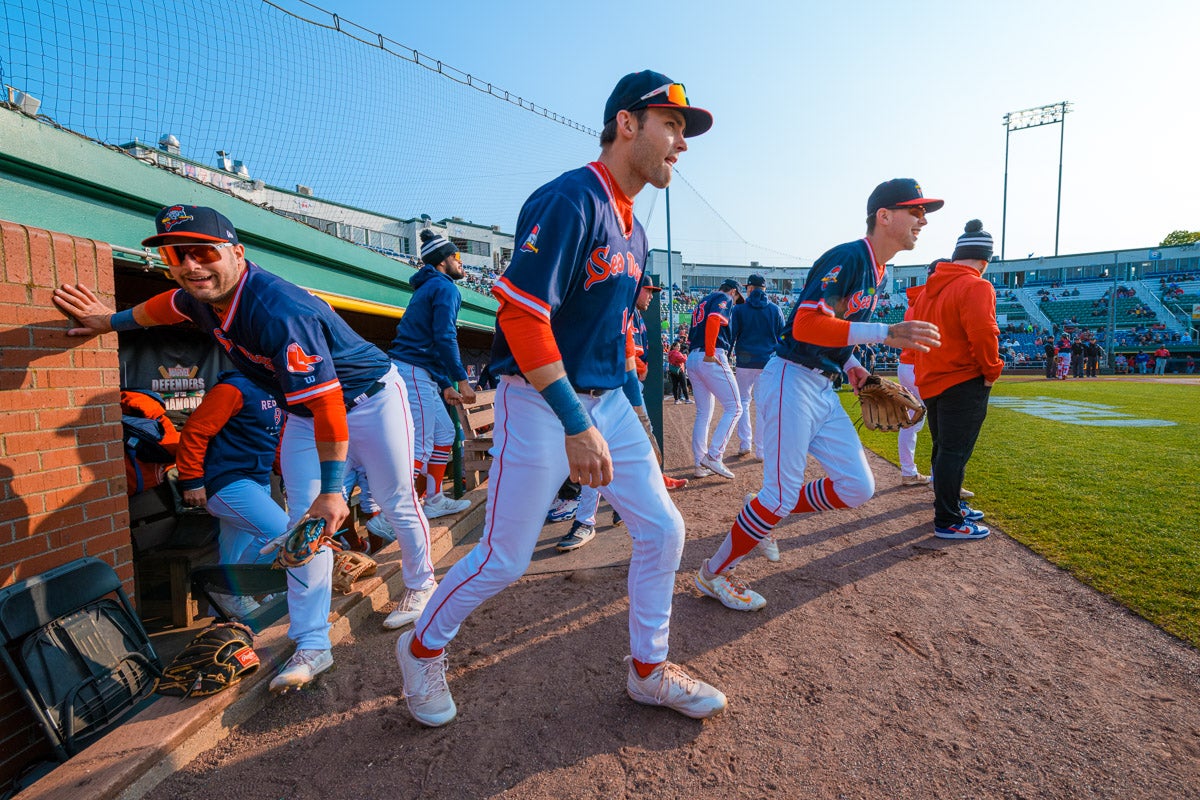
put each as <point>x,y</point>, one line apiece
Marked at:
<point>756,280</point>
<point>730,283</point>
<point>648,89</point>
<point>181,223</point>
<point>899,192</point>
<point>647,282</point>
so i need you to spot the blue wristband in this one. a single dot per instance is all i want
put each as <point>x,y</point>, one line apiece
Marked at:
<point>566,406</point>
<point>633,389</point>
<point>124,321</point>
<point>331,477</point>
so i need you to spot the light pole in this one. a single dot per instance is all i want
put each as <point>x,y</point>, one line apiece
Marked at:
<point>1056,113</point>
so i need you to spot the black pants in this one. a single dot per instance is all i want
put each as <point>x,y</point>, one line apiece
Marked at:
<point>955,417</point>
<point>1049,366</point>
<point>679,386</point>
<point>1077,366</point>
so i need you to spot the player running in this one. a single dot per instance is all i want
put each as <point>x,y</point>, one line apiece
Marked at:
<point>342,394</point>
<point>800,410</point>
<point>563,353</point>
<point>709,343</point>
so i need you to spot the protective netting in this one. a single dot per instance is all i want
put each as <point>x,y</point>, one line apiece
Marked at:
<point>300,96</point>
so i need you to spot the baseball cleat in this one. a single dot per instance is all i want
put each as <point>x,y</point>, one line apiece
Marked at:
<point>970,514</point>
<point>674,483</point>
<point>745,450</point>
<point>769,547</point>
<point>411,605</point>
<point>379,527</point>
<point>578,536</point>
<point>965,494</point>
<point>301,668</point>
<point>670,686</point>
<point>916,480</point>
<point>729,590</point>
<point>562,510</point>
<point>717,466</point>
<point>616,519</point>
<point>967,530</point>
<point>702,471</point>
<point>425,689</point>
<point>441,506</point>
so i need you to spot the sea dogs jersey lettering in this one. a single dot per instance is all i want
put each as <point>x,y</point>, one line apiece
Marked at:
<point>716,304</point>
<point>287,341</point>
<point>578,268</point>
<point>843,283</point>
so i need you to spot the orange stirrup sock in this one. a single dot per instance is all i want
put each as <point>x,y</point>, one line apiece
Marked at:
<point>421,651</point>
<point>818,496</point>
<point>644,669</point>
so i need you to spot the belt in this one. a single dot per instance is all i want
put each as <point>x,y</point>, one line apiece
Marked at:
<point>833,377</point>
<point>372,390</point>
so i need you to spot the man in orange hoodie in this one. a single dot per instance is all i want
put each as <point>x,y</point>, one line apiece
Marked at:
<point>956,379</point>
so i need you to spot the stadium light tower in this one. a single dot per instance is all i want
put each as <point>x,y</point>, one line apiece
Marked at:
<point>1055,113</point>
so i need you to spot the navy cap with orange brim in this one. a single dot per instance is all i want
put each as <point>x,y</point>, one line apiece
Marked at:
<point>649,89</point>
<point>899,193</point>
<point>179,224</point>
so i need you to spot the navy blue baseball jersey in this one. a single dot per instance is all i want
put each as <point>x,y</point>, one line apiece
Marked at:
<point>843,283</point>
<point>577,267</point>
<point>639,337</point>
<point>245,446</point>
<point>288,341</point>
<point>716,304</point>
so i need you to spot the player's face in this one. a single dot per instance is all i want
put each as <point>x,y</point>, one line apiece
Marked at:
<point>657,146</point>
<point>643,299</point>
<point>903,225</point>
<point>453,267</point>
<point>212,282</point>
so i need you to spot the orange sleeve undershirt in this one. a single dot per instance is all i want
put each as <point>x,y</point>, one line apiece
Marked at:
<point>630,347</point>
<point>329,417</point>
<point>219,405</point>
<point>823,330</point>
<point>528,335</point>
<point>162,311</point>
<point>712,328</point>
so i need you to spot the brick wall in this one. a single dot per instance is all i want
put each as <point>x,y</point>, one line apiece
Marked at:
<point>62,479</point>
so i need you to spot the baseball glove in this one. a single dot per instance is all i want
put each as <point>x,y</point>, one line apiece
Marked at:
<point>298,546</point>
<point>888,406</point>
<point>348,567</point>
<point>220,656</point>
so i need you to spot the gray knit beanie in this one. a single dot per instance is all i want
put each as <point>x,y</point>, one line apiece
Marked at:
<point>975,243</point>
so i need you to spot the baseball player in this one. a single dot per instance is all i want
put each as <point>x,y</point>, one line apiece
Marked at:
<point>800,408</point>
<point>342,394</point>
<point>424,350</point>
<point>563,352</point>
<point>709,342</point>
<point>756,326</point>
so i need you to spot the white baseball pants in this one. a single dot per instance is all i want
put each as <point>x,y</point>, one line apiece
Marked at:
<point>905,373</point>
<point>749,435</point>
<point>712,381</point>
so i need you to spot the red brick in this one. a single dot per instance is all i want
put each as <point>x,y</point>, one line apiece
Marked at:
<point>21,439</point>
<point>96,434</point>
<point>41,257</point>
<point>66,263</point>
<point>110,542</point>
<point>18,509</point>
<point>22,463</point>
<point>55,417</point>
<point>109,509</point>
<point>39,564</point>
<point>74,377</point>
<point>47,482</point>
<point>57,523</point>
<point>103,259</point>
<point>23,549</point>
<point>16,253</point>
<point>16,294</point>
<point>42,398</point>
<point>16,337</point>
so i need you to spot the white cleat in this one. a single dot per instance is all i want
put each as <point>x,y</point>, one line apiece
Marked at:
<point>425,689</point>
<point>670,686</point>
<point>441,506</point>
<point>769,547</point>
<point>717,466</point>
<point>729,590</point>
<point>301,668</point>
<point>411,605</point>
<point>702,472</point>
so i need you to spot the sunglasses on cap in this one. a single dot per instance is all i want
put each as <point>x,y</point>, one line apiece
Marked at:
<point>173,255</point>
<point>676,94</point>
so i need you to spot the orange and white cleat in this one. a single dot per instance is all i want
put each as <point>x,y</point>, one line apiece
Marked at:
<point>674,483</point>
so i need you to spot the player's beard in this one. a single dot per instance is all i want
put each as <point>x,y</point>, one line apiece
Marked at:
<point>650,162</point>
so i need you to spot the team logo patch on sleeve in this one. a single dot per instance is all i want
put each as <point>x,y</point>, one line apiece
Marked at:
<point>299,361</point>
<point>173,216</point>
<point>530,245</point>
<point>831,276</point>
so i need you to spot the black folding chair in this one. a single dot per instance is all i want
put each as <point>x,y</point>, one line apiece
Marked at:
<point>76,651</point>
<point>262,584</point>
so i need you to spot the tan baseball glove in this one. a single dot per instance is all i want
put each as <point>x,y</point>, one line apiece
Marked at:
<point>888,406</point>
<point>349,567</point>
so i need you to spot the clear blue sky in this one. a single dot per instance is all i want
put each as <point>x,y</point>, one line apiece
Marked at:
<point>816,102</point>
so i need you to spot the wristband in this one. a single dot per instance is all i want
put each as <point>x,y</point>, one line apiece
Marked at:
<point>566,406</point>
<point>633,389</point>
<point>331,477</point>
<point>124,321</point>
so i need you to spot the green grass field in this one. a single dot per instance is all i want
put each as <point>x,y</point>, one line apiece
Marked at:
<point>1116,506</point>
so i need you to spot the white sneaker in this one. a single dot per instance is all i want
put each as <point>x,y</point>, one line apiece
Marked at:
<point>729,590</point>
<point>411,605</point>
<point>965,494</point>
<point>236,606</point>
<point>717,466</point>
<point>380,527</point>
<point>745,450</point>
<point>301,668</point>
<point>668,685</point>
<point>769,547</point>
<point>441,506</point>
<point>702,471</point>
<point>425,689</point>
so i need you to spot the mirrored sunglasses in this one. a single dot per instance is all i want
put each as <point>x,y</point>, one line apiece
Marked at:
<point>173,255</point>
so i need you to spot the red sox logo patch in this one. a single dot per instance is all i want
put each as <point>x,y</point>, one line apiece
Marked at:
<point>299,361</point>
<point>174,216</point>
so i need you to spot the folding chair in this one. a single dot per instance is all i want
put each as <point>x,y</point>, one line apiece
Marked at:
<point>78,655</point>
<point>261,584</point>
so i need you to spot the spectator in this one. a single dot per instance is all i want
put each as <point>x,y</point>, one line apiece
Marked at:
<point>677,368</point>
